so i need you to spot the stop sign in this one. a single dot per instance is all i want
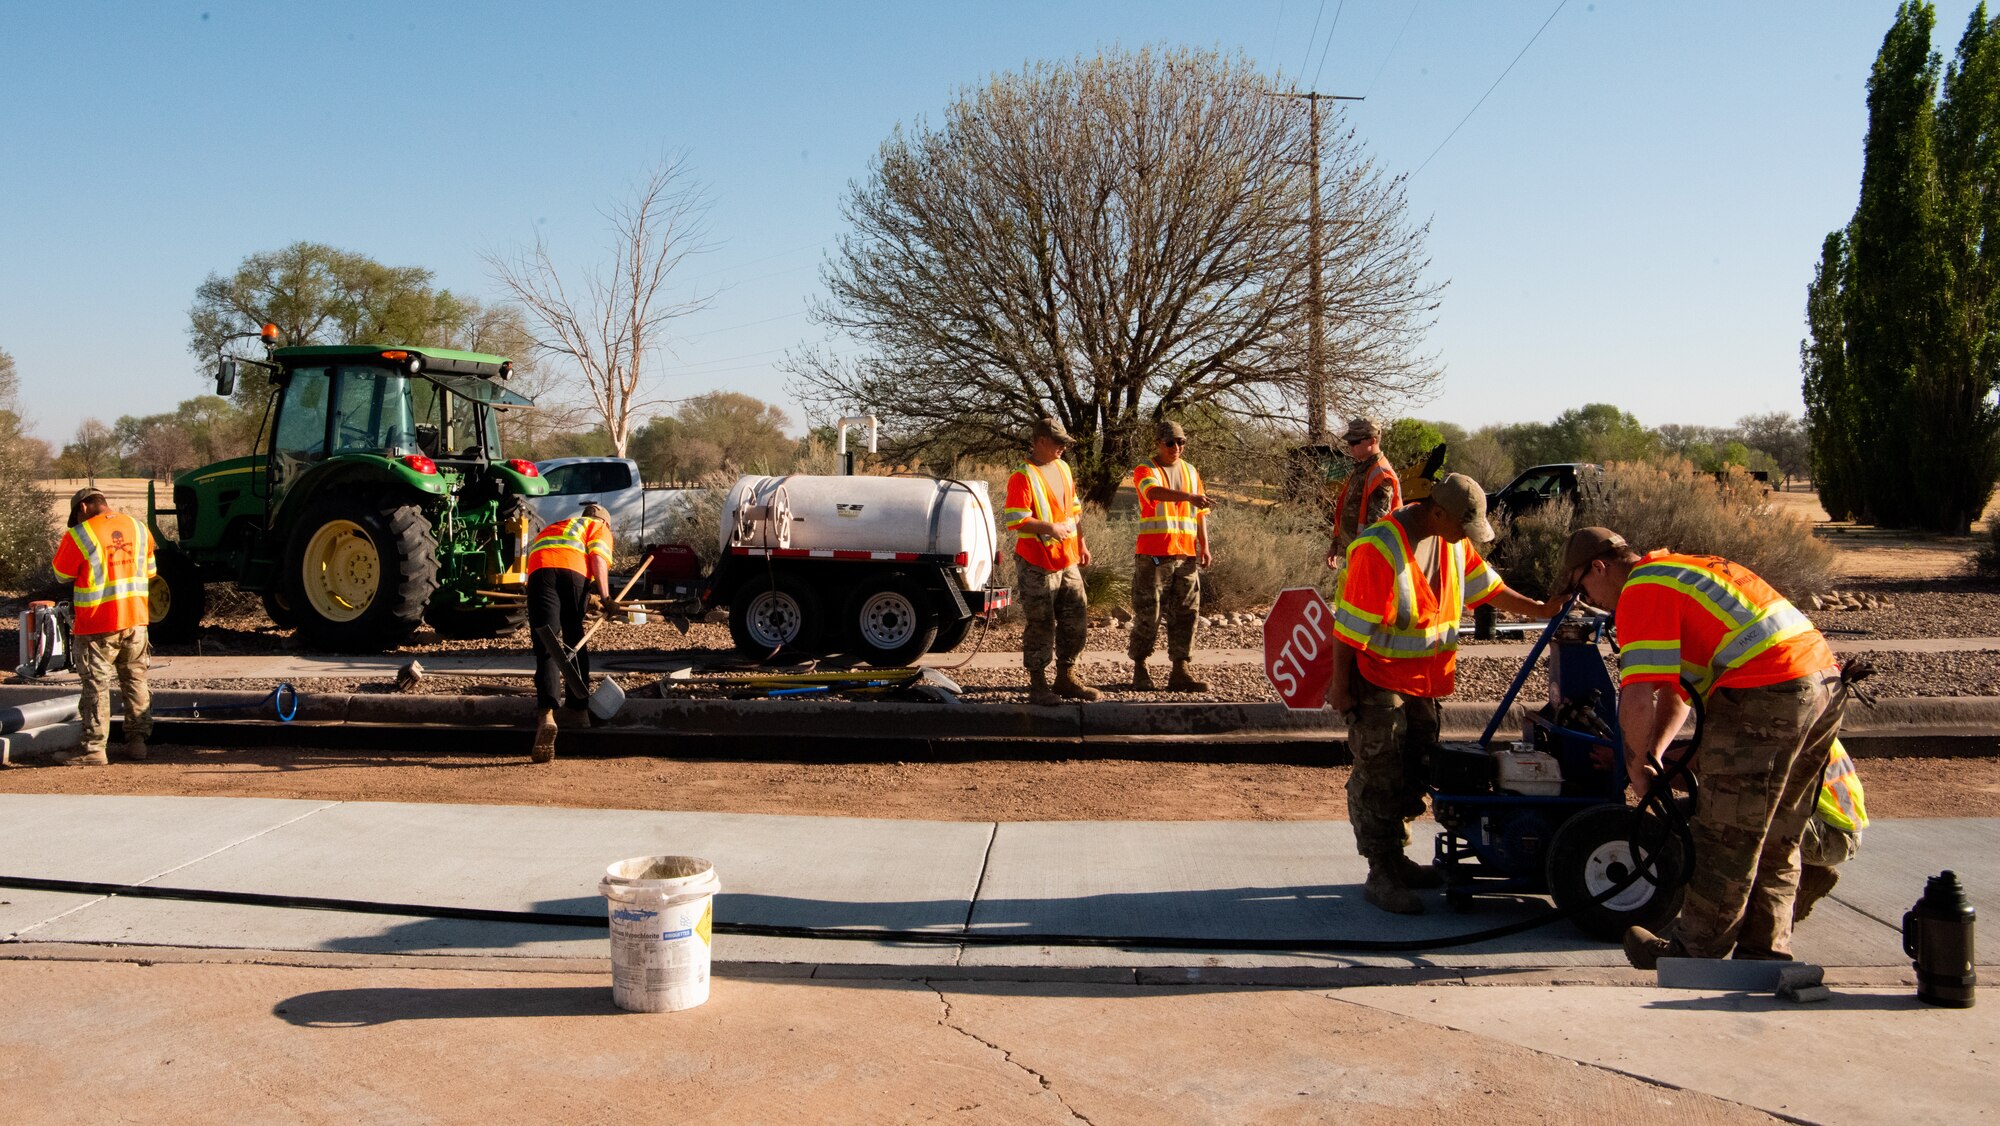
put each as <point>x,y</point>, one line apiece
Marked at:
<point>1298,647</point>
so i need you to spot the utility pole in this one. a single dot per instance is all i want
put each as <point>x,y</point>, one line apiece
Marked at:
<point>1316,285</point>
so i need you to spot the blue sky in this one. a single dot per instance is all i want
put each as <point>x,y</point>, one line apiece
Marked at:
<point>1631,216</point>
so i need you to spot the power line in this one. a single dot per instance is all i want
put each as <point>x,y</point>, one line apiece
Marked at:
<point>1329,43</point>
<point>1490,89</point>
<point>1311,38</point>
<point>1392,48</point>
<point>1278,30</point>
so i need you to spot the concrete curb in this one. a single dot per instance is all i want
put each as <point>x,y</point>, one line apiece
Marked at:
<point>1919,725</point>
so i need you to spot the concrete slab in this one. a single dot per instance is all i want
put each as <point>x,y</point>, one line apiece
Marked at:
<point>40,742</point>
<point>1866,1056</point>
<point>802,871</point>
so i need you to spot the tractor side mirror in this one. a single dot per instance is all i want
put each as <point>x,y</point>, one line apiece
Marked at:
<point>225,377</point>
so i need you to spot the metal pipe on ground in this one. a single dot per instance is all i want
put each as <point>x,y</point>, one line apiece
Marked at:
<point>39,713</point>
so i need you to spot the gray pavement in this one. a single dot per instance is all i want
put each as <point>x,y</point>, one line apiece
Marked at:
<point>1167,879</point>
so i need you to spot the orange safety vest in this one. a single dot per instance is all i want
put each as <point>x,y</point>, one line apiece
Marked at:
<point>1169,527</point>
<point>569,543</point>
<point>1406,630</point>
<point>1372,478</point>
<point>1029,498</point>
<point>1841,803</point>
<point>108,560</point>
<point>1713,622</point>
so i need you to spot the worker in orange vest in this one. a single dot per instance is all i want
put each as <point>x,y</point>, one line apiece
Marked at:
<point>1370,491</point>
<point>564,559</point>
<point>1171,550</point>
<point>1407,581</point>
<point>108,560</point>
<point>1774,703</point>
<point>1043,510</point>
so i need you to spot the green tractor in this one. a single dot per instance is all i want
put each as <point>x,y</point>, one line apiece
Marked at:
<point>379,501</point>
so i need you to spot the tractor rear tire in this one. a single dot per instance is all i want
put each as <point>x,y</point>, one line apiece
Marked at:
<point>478,622</point>
<point>279,611</point>
<point>1591,854</point>
<point>178,597</point>
<point>358,572</point>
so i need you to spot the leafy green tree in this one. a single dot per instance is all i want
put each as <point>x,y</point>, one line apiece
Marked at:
<point>1780,436</point>
<point>722,430</point>
<point>1831,398</point>
<point>1407,439</point>
<point>1601,433</point>
<point>27,522</point>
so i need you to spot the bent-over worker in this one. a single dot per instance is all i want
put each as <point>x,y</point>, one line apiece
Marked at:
<point>1042,508</point>
<point>1773,696</point>
<point>1407,581</point>
<point>107,558</point>
<point>564,560</point>
<point>1170,552</point>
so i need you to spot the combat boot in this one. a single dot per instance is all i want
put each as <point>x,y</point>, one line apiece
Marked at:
<point>545,736</point>
<point>1039,692</point>
<point>1142,678</point>
<point>82,758</point>
<point>1068,685</point>
<point>1182,680</point>
<point>1385,889</point>
<point>1644,949</point>
<point>135,748</point>
<point>1417,875</point>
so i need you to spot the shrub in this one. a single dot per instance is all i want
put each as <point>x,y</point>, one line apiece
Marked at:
<point>1260,551</point>
<point>1987,561</point>
<point>1668,504</point>
<point>28,535</point>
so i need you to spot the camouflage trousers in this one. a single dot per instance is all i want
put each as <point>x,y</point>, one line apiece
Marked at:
<point>1759,771</point>
<point>100,657</point>
<point>1390,735</point>
<point>1181,577</point>
<point>1055,613</point>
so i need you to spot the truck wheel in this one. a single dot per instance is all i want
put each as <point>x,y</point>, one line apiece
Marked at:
<point>890,621</point>
<point>358,572</point>
<point>951,634</point>
<point>772,613</point>
<point>1592,853</point>
<point>279,611</point>
<point>177,595</point>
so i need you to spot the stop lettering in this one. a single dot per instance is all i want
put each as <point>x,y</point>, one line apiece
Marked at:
<point>1298,647</point>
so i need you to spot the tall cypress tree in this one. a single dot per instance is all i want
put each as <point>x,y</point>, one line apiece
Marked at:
<point>1893,283</point>
<point>1829,395</point>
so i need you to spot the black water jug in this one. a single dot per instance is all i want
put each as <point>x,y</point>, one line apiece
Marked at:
<point>1937,932</point>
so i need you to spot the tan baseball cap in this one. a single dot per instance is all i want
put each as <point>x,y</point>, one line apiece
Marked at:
<point>1169,432</point>
<point>1050,427</point>
<point>1465,501</point>
<point>592,508</point>
<point>1362,429</point>
<point>76,503</point>
<point>1586,545</point>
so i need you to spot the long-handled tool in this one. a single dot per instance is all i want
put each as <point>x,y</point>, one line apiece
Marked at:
<point>573,678</point>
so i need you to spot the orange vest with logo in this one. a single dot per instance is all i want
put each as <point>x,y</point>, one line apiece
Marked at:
<point>1170,527</point>
<point>108,560</point>
<point>568,544</point>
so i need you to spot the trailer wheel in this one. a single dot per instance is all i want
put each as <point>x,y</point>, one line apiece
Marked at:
<point>358,572</point>
<point>890,621</point>
<point>178,599</point>
<point>773,613</point>
<point>951,634</point>
<point>1592,854</point>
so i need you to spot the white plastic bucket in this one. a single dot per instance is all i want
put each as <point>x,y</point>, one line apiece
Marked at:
<point>662,909</point>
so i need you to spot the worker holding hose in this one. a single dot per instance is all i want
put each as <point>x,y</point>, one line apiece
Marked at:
<point>1405,585</point>
<point>1773,698</point>
<point>564,560</point>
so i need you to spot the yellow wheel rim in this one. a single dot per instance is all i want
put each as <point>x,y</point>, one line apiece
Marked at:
<point>159,601</point>
<point>342,571</point>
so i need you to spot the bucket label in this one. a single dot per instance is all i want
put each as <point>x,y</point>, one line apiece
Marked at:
<point>707,923</point>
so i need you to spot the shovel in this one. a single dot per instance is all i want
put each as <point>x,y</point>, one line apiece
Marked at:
<point>605,702</point>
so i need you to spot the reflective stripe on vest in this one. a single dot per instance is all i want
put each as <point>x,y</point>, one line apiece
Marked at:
<point>104,601</point>
<point>567,534</point>
<point>1404,635</point>
<point>565,544</point>
<point>1167,527</point>
<point>1751,629</point>
<point>1841,804</point>
<point>1370,479</point>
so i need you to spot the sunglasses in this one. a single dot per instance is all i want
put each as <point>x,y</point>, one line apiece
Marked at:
<point>1173,441</point>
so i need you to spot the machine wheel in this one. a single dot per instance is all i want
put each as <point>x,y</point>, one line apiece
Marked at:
<point>279,610</point>
<point>890,622</point>
<point>1592,853</point>
<point>951,634</point>
<point>773,613</point>
<point>178,597</point>
<point>358,572</point>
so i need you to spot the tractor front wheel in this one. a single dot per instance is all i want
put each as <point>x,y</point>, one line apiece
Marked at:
<point>359,571</point>
<point>178,599</point>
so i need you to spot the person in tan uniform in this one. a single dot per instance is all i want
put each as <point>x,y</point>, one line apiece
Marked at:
<point>1370,492</point>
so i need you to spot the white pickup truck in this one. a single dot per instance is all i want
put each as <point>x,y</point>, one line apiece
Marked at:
<point>638,514</point>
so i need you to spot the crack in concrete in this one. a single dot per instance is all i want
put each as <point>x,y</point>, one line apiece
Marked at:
<point>944,1019</point>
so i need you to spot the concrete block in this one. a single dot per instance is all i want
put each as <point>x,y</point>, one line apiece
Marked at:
<point>1805,994</point>
<point>40,742</point>
<point>1722,973</point>
<point>1800,975</point>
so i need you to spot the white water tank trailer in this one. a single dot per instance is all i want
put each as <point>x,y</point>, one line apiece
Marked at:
<point>886,568</point>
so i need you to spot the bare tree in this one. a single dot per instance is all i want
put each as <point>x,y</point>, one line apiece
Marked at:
<point>93,450</point>
<point>610,323</point>
<point>1112,241</point>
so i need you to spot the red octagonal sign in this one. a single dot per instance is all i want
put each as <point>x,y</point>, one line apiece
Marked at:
<point>1298,647</point>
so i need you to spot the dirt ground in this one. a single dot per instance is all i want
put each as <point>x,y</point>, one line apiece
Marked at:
<point>985,790</point>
